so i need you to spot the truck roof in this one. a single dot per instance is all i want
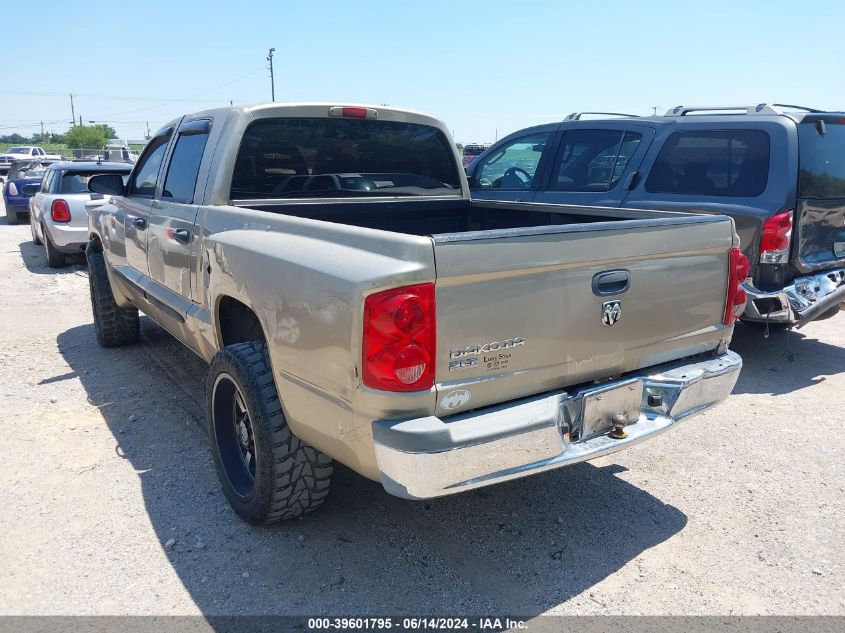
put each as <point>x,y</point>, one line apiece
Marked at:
<point>313,109</point>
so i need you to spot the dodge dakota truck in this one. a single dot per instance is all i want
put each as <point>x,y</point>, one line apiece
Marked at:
<point>354,304</point>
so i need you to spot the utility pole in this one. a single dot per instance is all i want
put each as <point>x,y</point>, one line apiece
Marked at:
<point>42,132</point>
<point>272,79</point>
<point>72,113</point>
<point>80,120</point>
<point>653,110</point>
<point>148,131</point>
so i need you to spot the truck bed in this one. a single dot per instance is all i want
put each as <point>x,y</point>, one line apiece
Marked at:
<point>442,217</point>
<point>530,271</point>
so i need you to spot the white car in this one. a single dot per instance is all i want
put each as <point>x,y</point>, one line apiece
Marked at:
<point>59,208</point>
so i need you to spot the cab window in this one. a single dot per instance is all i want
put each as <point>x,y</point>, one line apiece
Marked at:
<point>512,166</point>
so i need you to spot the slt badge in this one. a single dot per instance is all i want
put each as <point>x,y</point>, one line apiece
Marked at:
<point>611,312</point>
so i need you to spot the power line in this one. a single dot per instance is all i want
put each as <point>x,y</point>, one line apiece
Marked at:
<point>162,102</point>
<point>171,102</point>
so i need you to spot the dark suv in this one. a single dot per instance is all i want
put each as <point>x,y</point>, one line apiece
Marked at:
<point>777,170</point>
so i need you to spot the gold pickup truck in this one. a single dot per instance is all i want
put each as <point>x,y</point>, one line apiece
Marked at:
<point>355,305</point>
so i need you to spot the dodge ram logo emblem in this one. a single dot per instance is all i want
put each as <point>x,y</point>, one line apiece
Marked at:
<point>611,312</point>
<point>455,399</point>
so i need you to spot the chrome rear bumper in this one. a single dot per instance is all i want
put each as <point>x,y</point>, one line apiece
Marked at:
<point>799,303</point>
<point>431,457</point>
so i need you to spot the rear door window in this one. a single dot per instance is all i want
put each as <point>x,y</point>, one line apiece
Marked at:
<point>181,179</point>
<point>821,148</point>
<point>593,160</point>
<point>512,166</point>
<point>712,163</point>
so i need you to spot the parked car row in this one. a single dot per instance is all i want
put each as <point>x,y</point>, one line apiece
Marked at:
<point>356,305</point>
<point>360,298</point>
<point>778,171</point>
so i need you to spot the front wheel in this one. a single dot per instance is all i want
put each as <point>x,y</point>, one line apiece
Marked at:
<point>268,474</point>
<point>113,325</point>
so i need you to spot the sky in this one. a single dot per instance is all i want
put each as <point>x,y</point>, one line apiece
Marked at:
<point>486,68</point>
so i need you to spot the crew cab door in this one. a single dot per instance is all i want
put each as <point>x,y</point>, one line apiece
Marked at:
<point>171,239</point>
<point>595,166</point>
<point>513,170</point>
<point>136,206</point>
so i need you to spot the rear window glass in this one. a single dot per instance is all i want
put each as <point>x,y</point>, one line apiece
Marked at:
<point>77,181</point>
<point>822,160</point>
<point>712,163</point>
<point>326,157</point>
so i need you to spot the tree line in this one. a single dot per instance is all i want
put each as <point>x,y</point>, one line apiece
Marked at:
<point>88,136</point>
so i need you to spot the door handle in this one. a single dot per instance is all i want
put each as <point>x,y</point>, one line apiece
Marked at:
<point>183,236</point>
<point>612,282</point>
<point>140,223</point>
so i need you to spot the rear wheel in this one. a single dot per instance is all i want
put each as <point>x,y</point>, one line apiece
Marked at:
<point>35,239</point>
<point>11,216</point>
<point>114,325</point>
<point>55,259</point>
<point>268,474</point>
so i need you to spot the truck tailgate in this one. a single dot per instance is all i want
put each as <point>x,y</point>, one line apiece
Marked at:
<point>524,311</point>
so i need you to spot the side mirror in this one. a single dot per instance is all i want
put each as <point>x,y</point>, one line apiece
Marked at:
<point>31,189</point>
<point>107,184</point>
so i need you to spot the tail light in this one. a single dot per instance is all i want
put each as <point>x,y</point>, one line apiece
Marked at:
<point>13,189</point>
<point>776,238</point>
<point>399,339</point>
<point>737,272</point>
<point>60,211</point>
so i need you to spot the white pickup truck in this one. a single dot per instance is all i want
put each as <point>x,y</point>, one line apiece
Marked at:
<point>24,152</point>
<point>355,305</point>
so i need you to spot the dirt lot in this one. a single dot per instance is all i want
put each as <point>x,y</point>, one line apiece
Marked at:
<point>110,504</point>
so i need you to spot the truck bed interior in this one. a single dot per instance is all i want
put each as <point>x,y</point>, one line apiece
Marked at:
<point>439,217</point>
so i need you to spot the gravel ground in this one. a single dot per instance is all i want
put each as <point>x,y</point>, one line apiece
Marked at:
<point>110,504</point>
